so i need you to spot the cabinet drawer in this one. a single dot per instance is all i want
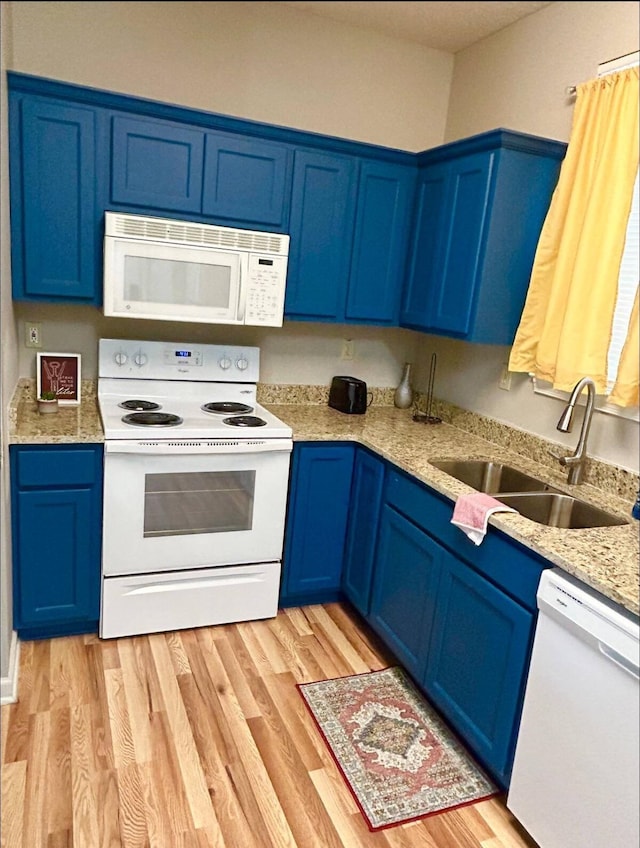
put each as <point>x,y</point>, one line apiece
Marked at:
<point>48,467</point>
<point>510,566</point>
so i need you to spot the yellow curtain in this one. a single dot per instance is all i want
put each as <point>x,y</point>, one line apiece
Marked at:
<point>626,390</point>
<point>565,328</point>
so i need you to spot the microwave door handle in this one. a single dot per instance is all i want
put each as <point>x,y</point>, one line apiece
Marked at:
<point>241,298</point>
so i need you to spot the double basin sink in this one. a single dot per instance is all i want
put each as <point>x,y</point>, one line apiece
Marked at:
<point>529,496</point>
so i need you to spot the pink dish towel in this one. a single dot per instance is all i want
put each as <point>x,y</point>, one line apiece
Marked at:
<point>472,512</point>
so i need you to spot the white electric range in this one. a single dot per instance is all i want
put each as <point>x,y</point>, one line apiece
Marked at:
<point>195,487</point>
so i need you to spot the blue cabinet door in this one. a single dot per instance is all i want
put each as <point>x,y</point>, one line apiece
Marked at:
<point>156,164</point>
<point>55,245</point>
<point>57,575</point>
<point>478,661</point>
<point>428,239</point>
<point>380,238</point>
<point>405,586</point>
<point>480,206</point>
<point>450,220</point>
<point>245,180</point>
<point>362,534</point>
<point>319,498</point>
<point>454,292</point>
<point>56,495</point>
<point>321,229</point>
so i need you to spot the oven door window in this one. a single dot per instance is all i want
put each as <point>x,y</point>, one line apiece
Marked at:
<point>187,503</point>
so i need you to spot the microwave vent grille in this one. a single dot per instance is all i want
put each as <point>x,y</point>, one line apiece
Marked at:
<point>204,235</point>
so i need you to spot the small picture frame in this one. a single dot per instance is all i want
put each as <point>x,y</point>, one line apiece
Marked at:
<point>59,373</point>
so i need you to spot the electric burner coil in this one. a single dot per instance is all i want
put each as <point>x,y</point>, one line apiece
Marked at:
<point>152,419</point>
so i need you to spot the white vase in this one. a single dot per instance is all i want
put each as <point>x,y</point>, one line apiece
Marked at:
<point>403,396</point>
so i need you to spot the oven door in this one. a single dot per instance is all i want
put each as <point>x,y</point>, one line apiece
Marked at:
<point>193,504</point>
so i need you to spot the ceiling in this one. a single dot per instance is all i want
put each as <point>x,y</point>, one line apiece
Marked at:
<point>445,26</point>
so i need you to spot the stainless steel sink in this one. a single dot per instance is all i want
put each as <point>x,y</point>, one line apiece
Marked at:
<point>557,510</point>
<point>493,478</point>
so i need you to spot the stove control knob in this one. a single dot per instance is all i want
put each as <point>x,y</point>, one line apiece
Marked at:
<point>242,364</point>
<point>120,358</point>
<point>140,359</point>
<point>225,363</point>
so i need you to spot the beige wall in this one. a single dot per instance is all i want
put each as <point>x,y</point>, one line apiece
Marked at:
<point>517,79</point>
<point>299,352</point>
<point>8,350</point>
<point>252,60</point>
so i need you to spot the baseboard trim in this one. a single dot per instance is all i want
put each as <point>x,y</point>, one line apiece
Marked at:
<point>9,684</point>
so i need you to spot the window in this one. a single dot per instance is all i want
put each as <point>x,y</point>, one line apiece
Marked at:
<point>627,281</point>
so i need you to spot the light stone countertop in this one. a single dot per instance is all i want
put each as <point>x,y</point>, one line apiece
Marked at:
<point>606,558</point>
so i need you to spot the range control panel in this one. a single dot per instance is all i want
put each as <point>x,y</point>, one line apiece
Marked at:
<point>178,361</point>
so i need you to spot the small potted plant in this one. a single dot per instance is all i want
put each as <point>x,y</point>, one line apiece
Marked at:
<point>47,402</point>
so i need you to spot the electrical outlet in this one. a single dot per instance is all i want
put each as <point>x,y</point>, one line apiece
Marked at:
<point>348,349</point>
<point>32,334</point>
<point>505,378</point>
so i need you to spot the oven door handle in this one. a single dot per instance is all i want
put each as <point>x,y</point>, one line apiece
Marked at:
<point>175,447</point>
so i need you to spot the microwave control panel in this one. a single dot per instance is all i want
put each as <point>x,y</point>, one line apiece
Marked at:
<point>264,303</point>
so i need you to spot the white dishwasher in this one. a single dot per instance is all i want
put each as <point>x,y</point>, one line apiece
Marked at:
<point>575,777</point>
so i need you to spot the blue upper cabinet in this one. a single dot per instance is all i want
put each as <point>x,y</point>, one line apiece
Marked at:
<point>54,223</point>
<point>156,164</point>
<point>321,228</point>
<point>385,193</point>
<point>442,241</point>
<point>245,179</point>
<point>480,207</point>
<point>430,220</point>
<point>349,231</point>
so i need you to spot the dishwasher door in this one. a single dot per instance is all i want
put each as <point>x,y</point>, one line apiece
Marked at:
<point>575,777</point>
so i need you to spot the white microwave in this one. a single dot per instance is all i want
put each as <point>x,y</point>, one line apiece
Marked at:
<point>185,271</point>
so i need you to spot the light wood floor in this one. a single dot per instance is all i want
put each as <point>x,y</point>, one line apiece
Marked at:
<point>199,739</point>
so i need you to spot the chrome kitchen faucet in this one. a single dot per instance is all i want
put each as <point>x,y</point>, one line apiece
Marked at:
<point>575,462</point>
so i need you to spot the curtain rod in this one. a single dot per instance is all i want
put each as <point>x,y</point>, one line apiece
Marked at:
<point>571,90</point>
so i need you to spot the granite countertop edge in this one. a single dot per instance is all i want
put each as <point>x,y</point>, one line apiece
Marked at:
<point>604,558</point>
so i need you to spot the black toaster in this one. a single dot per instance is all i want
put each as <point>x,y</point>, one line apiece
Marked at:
<point>347,394</point>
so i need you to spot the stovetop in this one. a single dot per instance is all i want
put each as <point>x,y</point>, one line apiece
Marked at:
<point>184,401</point>
<point>157,390</point>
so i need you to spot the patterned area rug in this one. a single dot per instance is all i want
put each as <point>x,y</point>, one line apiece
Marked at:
<point>398,757</point>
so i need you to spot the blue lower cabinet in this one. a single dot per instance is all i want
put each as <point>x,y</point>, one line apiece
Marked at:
<point>405,587</point>
<point>362,533</point>
<point>56,493</point>
<point>318,510</point>
<point>477,663</point>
